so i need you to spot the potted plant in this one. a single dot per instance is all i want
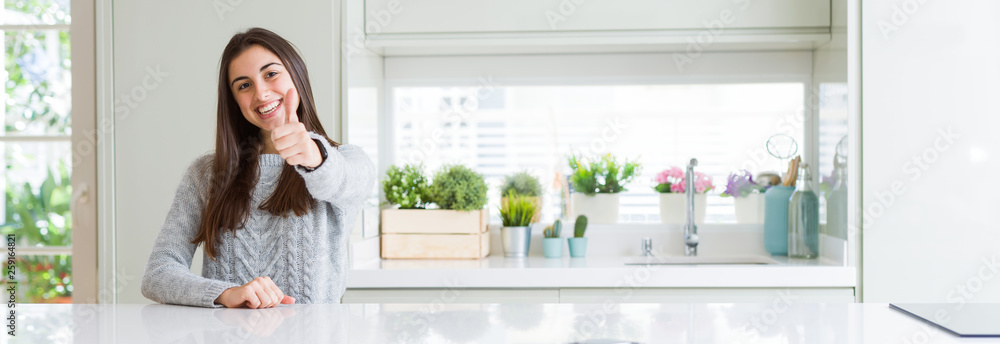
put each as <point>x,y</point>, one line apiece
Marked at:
<point>748,197</point>
<point>552,243</point>
<point>516,213</point>
<point>597,184</point>
<point>671,184</point>
<point>456,229</point>
<point>526,185</point>
<point>406,187</point>
<point>457,187</point>
<point>578,244</point>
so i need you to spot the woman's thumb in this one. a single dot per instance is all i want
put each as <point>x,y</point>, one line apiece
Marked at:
<point>287,300</point>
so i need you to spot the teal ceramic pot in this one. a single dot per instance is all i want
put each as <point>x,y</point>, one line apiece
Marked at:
<point>577,247</point>
<point>776,219</point>
<point>553,247</point>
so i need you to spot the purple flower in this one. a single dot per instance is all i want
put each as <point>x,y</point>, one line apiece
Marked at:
<point>741,184</point>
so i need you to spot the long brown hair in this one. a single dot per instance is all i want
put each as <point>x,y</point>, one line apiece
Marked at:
<point>238,144</point>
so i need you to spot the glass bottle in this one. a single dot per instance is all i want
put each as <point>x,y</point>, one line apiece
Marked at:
<point>803,218</point>
<point>836,204</point>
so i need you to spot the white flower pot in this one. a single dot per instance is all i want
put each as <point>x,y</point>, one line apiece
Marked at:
<point>750,209</point>
<point>672,208</point>
<point>599,208</point>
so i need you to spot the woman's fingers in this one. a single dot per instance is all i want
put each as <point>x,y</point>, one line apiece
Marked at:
<point>292,138</point>
<point>299,151</point>
<point>261,292</point>
<point>265,300</point>
<point>271,290</point>
<point>278,295</point>
<point>292,102</point>
<point>249,296</point>
<point>287,133</point>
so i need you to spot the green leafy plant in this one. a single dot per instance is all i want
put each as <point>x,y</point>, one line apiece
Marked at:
<point>553,231</point>
<point>35,79</point>
<point>523,183</point>
<point>406,186</point>
<point>458,187</point>
<point>41,217</point>
<point>517,211</point>
<point>605,175</point>
<point>46,278</point>
<point>580,227</point>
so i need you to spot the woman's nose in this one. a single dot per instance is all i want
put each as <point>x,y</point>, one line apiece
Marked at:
<point>263,93</point>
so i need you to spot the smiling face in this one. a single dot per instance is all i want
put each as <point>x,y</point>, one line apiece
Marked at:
<point>262,87</point>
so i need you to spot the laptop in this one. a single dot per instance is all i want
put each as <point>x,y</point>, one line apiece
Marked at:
<point>972,320</point>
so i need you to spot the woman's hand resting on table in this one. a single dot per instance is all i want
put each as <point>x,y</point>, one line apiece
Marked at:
<point>259,293</point>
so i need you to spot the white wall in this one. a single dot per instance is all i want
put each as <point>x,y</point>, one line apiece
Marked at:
<point>174,122</point>
<point>929,68</point>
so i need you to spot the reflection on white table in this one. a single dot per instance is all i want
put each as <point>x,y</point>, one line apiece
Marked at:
<point>783,321</point>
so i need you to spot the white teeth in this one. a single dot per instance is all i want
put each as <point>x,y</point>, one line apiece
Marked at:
<point>268,109</point>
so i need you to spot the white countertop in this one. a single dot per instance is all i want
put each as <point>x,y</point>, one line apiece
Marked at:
<point>594,272</point>
<point>476,323</point>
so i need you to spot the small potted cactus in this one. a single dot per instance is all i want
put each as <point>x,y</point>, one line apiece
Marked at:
<point>578,244</point>
<point>553,241</point>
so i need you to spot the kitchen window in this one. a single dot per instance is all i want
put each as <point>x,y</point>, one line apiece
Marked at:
<point>36,145</point>
<point>491,115</point>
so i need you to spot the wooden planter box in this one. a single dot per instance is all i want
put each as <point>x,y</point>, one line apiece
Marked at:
<point>435,234</point>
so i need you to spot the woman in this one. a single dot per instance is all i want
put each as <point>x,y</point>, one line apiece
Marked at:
<point>274,205</point>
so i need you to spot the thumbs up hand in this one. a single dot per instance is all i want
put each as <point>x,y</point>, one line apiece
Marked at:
<point>292,140</point>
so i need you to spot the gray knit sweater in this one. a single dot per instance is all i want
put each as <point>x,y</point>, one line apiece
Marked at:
<point>305,256</point>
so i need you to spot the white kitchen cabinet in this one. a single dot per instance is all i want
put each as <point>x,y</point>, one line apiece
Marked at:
<point>450,295</point>
<point>491,16</point>
<point>928,221</point>
<point>707,295</point>
<point>600,295</point>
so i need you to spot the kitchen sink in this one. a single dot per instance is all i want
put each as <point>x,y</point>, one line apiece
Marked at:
<point>699,260</point>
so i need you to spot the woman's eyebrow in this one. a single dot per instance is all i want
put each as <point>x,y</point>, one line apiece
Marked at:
<point>261,69</point>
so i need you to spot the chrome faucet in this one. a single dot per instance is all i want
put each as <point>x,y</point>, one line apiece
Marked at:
<point>690,229</point>
<point>647,247</point>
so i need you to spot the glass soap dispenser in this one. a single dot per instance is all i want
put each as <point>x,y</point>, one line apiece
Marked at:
<point>803,218</point>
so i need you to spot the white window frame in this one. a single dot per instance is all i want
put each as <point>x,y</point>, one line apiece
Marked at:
<point>82,248</point>
<point>598,69</point>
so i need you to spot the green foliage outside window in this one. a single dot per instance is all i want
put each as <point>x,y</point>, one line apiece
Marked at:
<point>38,74</point>
<point>40,216</point>
<point>38,89</point>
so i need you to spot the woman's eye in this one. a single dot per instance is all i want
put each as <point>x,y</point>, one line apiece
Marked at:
<point>270,74</point>
<point>243,85</point>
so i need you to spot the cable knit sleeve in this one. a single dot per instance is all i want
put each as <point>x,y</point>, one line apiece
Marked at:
<point>344,179</point>
<point>168,277</point>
